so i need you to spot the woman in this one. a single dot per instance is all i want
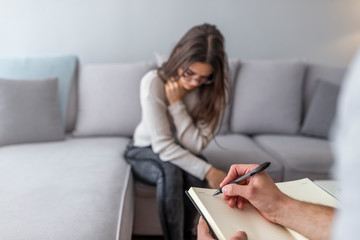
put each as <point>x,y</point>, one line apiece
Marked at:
<point>181,102</point>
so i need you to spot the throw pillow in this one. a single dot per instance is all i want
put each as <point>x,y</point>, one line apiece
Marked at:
<point>109,99</point>
<point>29,111</point>
<point>268,97</point>
<point>322,110</point>
<point>61,67</point>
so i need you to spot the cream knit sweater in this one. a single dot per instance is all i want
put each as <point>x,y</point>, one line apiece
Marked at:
<point>163,124</point>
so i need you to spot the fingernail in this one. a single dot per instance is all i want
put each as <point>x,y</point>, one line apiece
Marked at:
<point>224,189</point>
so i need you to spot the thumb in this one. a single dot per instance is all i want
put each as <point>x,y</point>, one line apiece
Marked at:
<point>239,236</point>
<point>238,190</point>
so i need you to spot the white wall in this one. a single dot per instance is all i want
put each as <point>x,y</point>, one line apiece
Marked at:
<point>325,31</point>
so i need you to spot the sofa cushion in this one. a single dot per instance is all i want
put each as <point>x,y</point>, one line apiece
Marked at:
<point>231,149</point>
<point>267,97</point>
<point>75,189</point>
<point>301,156</point>
<point>314,72</point>
<point>322,109</point>
<point>62,67</point>
<point>29,111</point>
<point>109,102</point>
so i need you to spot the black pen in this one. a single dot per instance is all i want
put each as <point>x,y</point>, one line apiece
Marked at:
<point>246,176</point>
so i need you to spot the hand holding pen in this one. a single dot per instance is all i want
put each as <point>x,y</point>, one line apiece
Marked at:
<point>246,176</point>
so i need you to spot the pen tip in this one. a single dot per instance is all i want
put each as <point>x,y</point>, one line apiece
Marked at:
<point>217,192</point>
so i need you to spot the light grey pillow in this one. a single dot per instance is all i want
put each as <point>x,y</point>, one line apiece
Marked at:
<point>322,110</point>
<point>29,111</point>
<point>109,99</point>
<point>268,97</point>
<point>63,68</point>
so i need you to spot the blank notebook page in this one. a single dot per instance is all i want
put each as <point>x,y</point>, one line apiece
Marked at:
<point>306,190</point>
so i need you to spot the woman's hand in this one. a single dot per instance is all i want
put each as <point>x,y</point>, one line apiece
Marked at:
<point>214,177</point>
<point>174,92</point>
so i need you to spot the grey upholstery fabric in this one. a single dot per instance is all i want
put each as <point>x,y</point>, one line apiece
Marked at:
<point>301,156</point>
<point>268,97</point>
<point>64,68</point>
<point>109,103</point>
<point>322,110</point>
<point>126,213</point>
<point>314,72</point>
<point>29,111</point>
<point>72,107</point>
<point>236,149</point>
<point>75,189</point>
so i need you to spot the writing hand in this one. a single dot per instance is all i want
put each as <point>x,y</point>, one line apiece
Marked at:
<point>260,190</point>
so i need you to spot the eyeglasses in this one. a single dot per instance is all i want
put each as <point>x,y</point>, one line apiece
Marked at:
<point>202,80</point>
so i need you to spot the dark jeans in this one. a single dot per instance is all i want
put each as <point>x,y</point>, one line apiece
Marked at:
<point>176,212</point>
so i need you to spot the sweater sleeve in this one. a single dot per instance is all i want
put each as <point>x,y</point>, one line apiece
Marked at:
<point>191,136</point>
<point>154,112</point>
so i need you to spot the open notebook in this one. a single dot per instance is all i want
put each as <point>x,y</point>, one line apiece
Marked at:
<point>225,221</point>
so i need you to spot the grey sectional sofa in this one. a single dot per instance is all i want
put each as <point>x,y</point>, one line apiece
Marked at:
<point>75,184</point>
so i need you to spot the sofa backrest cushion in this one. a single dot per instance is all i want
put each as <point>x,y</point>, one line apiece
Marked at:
<point>317,72</point>
<point>321,112</point>
<point>109,99</point>
<point>29,111</point>
<point>267,97</point>
<point>62,67</point>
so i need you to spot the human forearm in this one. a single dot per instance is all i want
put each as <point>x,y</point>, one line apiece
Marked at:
<point>311,220</point>
<point>193,137</point>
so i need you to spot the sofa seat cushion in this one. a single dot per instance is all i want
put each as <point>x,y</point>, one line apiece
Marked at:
<point>236,149</point>
<point>301,156</point>
<point>73,189</point>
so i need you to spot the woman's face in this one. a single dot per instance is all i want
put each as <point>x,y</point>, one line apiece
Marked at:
<point>197,74</point>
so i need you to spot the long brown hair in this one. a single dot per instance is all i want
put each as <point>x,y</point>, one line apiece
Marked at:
<point>205,44</point>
